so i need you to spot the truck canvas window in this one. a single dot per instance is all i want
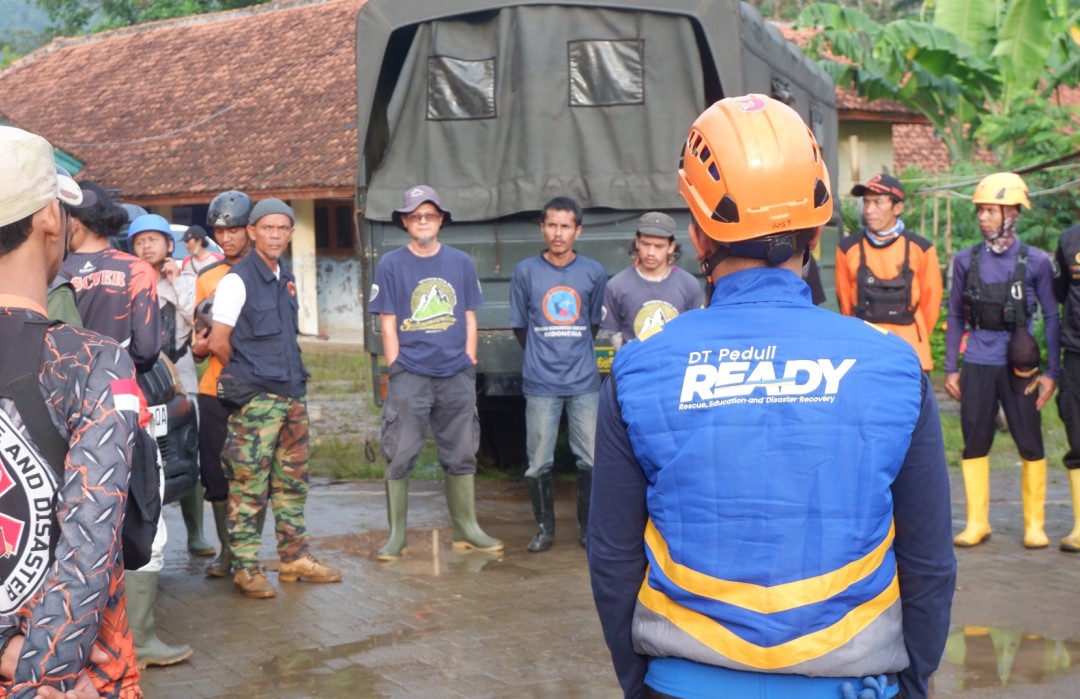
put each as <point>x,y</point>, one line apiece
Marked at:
<point>460,89</point>
<point>604,73</point>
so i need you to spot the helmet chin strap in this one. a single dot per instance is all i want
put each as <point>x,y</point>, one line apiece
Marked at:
<point>774,250</point>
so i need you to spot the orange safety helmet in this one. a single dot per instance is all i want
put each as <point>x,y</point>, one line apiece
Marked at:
<point>1002,188</point>
<point>752,168</point>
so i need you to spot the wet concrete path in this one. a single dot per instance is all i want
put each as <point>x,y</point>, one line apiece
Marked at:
<point>443,624</point>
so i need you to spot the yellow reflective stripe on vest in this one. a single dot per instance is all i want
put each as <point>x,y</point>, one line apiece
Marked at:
<point>812,645</point>
<point>759,598</point>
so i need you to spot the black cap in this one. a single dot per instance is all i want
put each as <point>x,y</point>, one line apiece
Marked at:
<point>1023,362</point>
<point>195,232</point>
<point>880,184</point>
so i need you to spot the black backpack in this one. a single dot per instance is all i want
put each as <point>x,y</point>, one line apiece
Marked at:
<point>144,498</point>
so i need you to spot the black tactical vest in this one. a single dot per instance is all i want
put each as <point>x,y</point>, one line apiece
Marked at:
<point>995,306</point>
<point>885,300</point>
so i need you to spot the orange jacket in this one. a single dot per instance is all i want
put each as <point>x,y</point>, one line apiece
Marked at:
<point>205,286</point>
<point>887,263</point>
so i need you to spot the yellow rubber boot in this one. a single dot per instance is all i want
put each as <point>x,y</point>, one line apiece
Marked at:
<point>977,491</point>
<point>1033,497</point>
<point>1072,541</point>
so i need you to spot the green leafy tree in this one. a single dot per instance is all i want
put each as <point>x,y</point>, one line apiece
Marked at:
<point>880,10</point>
<point>74,17</point>
<point>973,60</point>
<point>923,67</point>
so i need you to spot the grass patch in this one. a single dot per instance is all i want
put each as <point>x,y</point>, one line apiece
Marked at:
<point>348,459</point>
<point>338,363</point>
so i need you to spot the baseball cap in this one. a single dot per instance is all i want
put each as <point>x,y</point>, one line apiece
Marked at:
<point>880,184</point>
<point>413,198</point>
<point>1023,357</point>
<point>657,224</point>
<point>266,207</point>
<point>195,232</point>
<point>71,193</point>
<point>29,180</point>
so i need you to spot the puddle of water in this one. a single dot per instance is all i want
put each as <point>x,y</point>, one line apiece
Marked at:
<point>327,673</point>
<point>991,657</point>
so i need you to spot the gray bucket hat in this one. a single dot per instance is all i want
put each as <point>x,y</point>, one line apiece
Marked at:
<point>414,197</point>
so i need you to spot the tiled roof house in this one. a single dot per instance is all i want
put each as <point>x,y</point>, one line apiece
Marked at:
<point>262,99</point>
<point>173,112</point>
<point>168,114</point>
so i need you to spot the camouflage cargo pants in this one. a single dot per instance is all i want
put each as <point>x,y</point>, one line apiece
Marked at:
<point>266,456</point>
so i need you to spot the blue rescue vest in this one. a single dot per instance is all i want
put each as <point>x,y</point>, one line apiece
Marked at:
<point>770,432</point>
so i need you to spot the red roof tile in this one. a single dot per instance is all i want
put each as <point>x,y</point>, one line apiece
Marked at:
<point>260,99</point>
<point>917,144</point>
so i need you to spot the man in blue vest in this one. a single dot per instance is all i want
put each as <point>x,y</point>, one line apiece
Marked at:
<point>254,337</point>
<point>757,529</point>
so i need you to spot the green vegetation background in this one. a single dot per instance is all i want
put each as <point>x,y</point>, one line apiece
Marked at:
<point>337,373</point>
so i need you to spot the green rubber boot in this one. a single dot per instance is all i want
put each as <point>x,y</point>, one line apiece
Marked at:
<point>141,592</point>
<point>221,566</point>
<point>397,510</point>
<point>191,507</point>
<point>461,501</point>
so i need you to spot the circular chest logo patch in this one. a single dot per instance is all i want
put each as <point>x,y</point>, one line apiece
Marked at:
<point>562,305</point>
<point>652,317</point>
<point>26,506</point>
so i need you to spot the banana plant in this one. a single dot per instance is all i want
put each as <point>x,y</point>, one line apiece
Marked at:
<point>969,60</point>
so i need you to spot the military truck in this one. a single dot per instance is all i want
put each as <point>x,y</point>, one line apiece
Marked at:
<point>503,104</point>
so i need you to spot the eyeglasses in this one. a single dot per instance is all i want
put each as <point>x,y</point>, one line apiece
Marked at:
<point>423,217</point>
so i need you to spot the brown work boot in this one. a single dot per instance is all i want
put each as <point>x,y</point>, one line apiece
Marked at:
<point>253,583</point>
<point>308,568</point>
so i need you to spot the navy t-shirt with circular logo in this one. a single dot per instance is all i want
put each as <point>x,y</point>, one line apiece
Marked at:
<point>559,306</point>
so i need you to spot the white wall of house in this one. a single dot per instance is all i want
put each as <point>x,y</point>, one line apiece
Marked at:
<point>865,149</point>
<point>340,306</point>
<point>304,266</point>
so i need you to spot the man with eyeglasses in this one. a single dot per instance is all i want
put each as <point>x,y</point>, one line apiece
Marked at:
<point>426,295</point>
<point>886,274</point>
<point>253,335</point>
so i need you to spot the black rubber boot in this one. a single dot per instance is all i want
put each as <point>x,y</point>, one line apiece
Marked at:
<point>584,492</point>
<point>543,500</point>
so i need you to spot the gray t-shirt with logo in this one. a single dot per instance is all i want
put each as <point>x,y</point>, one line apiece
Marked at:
<point>637,307</point>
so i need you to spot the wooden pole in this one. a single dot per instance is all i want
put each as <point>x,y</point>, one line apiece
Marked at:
<point>948,228</point>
